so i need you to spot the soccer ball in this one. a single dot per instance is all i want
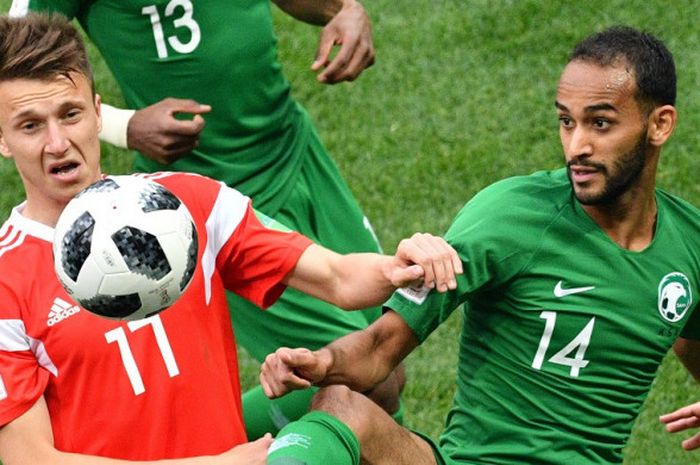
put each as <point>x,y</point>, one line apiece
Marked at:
<point>125,248</point>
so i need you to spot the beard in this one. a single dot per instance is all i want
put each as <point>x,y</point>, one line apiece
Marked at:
<point>624,173</point>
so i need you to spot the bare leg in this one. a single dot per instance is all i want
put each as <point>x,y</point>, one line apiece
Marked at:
<point>382,440</point>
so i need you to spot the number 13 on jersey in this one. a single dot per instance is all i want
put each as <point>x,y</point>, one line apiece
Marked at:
<point>184,21</point>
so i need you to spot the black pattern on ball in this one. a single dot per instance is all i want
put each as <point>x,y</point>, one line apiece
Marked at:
<point>112,306</point>
<point>156,197</point>
<point>103,185</point>
<point>76,245</point>
<point>142,252</point>
<point>191,260</point>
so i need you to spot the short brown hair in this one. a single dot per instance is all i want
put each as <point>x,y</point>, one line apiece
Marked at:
<point>41,46</point>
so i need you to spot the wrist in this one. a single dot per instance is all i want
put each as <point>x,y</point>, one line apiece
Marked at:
<point>115,123</point>
<point>325,359</point>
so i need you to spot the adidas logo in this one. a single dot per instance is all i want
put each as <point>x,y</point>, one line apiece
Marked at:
<point>60,310</point>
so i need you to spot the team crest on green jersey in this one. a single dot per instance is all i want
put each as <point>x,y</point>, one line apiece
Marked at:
<point>675,296</point>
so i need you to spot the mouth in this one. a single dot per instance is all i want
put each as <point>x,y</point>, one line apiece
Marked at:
<point>582,173</point>
<point>64,168</point>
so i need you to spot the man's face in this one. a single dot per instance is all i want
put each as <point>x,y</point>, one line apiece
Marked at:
<point>50,128</point>
<point>603,131</point>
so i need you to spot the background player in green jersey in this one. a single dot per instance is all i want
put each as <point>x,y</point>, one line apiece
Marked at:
<point>576,283</point>
<point>257,139</point>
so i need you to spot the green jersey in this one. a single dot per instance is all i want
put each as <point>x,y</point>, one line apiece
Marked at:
<point>563,329</point>
<point>219,53</point>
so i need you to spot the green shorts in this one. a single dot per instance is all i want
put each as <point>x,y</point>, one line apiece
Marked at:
<point>322,208</point>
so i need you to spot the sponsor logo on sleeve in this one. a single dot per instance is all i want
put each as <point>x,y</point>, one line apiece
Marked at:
<point>417,295</point>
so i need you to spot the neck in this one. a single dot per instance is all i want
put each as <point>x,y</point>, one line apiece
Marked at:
<point>44,214</point>
<point>631,220</point>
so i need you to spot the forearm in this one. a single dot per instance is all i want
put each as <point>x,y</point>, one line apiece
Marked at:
<point>317,12</point>
<point>352,281</point>
<point>363,359</point>
<point>362,280</point>
<point>688,351</point>
<point>29,440</point>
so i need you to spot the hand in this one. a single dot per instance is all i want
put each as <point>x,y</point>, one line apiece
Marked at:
<point>250,453</point>
<point>425,260</point>
<point>155,132</point>
<point>291,369</point>
<point>350,29</point>
<point>683,419</point>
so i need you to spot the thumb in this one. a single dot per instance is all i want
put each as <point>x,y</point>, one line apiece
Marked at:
<point>411,275</point>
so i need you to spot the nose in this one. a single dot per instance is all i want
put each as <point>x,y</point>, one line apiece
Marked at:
<point>577,143</point>
<point>57,141</point>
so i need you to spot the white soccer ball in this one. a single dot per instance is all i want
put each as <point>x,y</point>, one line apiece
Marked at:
<point>125,248</point>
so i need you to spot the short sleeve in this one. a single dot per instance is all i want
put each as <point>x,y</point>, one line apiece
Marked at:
<point>256,259</point>
<point>22,379</point>
<point>490,253</point>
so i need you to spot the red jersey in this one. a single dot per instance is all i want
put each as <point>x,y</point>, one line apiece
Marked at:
<point>162,387</point>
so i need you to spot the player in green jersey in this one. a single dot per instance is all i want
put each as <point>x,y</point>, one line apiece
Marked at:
<point>257,138</point>
<point>576,284</point>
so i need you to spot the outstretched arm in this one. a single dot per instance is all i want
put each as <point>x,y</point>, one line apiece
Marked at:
<point>362,280</point>
<point>359,360</point>
<point>29,439</point>
<point>346,24</point>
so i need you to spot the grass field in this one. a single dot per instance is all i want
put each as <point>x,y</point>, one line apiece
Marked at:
<point>462,95</point>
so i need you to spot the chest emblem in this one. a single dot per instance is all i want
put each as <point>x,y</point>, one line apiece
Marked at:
<point>675,296</point>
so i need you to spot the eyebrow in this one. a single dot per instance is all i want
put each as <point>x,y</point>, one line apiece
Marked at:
<point>588,109</point>
<point>32,113</point>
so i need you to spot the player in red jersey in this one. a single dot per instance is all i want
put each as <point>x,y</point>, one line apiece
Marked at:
<point>78,389</point>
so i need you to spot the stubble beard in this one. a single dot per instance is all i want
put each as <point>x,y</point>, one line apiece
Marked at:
<point>626,172</point>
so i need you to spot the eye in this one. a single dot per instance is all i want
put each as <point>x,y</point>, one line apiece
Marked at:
<point>601,123</point>
<point>29,127</point>
<point>565,121</point>
<point>72,115</point>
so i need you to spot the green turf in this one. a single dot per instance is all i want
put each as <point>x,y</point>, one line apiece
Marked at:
<point>462,95</point>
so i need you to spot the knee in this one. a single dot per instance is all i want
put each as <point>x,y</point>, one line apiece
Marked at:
<point>388,393</point>
<point>343,403</point>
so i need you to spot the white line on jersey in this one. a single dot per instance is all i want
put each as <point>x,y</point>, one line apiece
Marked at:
<point>3,390</point>
<point>14,238</point>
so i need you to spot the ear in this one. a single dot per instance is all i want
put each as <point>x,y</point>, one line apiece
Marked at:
<point>662,122</point>
<point>98,110</point>
<point>4,149</point>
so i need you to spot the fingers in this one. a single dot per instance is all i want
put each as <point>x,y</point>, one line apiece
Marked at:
<point>282,371</point>
<point>176,105</point>
<point>353,57</point>
<point>158,133</point>
<point>184,127</point>
<point>439,261</point>
<point>682,419</point>
<point>692,442</point>
<point>350,29</point>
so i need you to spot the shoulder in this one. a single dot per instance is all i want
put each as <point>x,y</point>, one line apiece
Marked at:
<point>200,193</point>
<point>17,249</point>
<point>681,214</point>
<point>534,200</point>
